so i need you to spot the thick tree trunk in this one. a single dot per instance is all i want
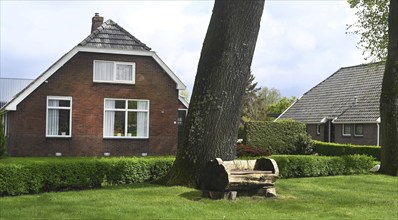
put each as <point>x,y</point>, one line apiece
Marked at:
<point>389,98</point>
<point>223,71</point>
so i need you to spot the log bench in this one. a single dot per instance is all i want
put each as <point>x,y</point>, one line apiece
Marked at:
<point>224,179</point>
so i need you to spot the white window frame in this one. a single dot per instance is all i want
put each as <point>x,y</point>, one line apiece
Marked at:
<point>343,130</point>
<point>114,80</point>
<point>68,98</point>
<point>318,129</point>
<point>126,110</point>
<point>355,130</point>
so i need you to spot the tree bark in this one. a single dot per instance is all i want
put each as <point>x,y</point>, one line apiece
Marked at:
<point>389,98</point>
<point>223,71</point>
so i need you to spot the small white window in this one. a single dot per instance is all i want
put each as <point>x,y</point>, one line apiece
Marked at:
<point>318,129</point>
<point>346,130</point>
<point>126,118</point>
<point>59,116</point>
<point>114,72</point>
<point>358,129</point>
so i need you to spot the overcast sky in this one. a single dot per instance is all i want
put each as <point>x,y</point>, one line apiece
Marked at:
<point>300,42</point>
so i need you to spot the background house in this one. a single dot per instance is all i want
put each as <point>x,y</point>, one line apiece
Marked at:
<point>109,94</point>
<point>11,87</point>
<point>344,108</point>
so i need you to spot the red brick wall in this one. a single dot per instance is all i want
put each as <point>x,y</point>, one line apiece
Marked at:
<point>26,135</point>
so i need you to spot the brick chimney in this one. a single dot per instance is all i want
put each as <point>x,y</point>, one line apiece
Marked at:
<point>96,22</point>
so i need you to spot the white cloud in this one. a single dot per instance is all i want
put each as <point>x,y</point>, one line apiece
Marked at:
<point>300,42</point>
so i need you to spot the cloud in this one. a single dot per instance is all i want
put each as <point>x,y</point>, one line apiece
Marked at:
<point>300,42</point>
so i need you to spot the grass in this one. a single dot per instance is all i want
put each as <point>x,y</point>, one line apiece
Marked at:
<point>353,197</point>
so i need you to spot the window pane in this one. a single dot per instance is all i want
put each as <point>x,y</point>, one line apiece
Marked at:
<point>142,124</point>
<point>132,124</point>
<point>358,129</point>
<point>63,122</point>
<point>124,72</point>
<point>53,122</point>
<point>53,103</point>
<point>120,104</point>
<point>132,104</point>
<point>64,103</point>
<point>103,71</point>
<point>119,124</point>
<point>346,129</point>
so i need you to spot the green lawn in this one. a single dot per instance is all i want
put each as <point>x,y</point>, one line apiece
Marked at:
<point>353,197</point>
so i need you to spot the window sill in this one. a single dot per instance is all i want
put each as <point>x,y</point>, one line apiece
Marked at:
<point>125,137</point>
<point>60,136</point>
<point>346,135</point>
<point>115,82</point>
<point>358,135</point>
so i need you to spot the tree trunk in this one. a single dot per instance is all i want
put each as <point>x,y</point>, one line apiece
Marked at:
<point>389,98</point>
<point>223,71</point>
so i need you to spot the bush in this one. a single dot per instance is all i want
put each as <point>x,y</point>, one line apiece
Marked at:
<point>335,149</point>
<point>59,174</point>
<point>312,166</point>
<point>243,150</point>
<point>282,137</point>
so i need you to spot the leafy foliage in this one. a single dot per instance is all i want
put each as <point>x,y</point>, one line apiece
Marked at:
<point>282,137</point>
<point>243,150</point>
<point>372,26</point>
<point>63,174</point>
<point>335,149</point>
<point>291,166</point>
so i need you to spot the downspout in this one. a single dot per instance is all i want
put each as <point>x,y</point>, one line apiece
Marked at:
<point>329,121</point>
<point>378,134</point>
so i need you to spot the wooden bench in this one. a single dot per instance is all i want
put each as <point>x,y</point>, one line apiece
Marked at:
<point>224,179</point>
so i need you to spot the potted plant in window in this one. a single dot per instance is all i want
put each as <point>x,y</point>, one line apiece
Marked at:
<point>63,129</point>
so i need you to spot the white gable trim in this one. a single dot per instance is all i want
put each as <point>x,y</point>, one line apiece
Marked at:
<point>12,105</point>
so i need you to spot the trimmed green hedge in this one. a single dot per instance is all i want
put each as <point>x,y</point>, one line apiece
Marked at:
<point>312,166</point>
<point>61,174</point>
<point>30,175</point>
<point>334,149</point>
<point>282,137</point>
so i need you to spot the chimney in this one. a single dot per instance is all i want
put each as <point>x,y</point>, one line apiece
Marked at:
<point>96,22</point>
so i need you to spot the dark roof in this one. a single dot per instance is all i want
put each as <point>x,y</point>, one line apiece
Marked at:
<point>350,95</point>
<point>111,35</point>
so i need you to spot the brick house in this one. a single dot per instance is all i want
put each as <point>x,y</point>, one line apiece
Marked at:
<point>344,108</point>
<point>110,94</point>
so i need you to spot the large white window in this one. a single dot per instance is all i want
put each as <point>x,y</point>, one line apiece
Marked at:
<point>59,116</point>
<point>126,118</point>
<point>114,72</point>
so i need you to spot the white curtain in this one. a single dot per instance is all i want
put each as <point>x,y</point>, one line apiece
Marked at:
<point>103,71</point>
<point>53,118</point>
<point>142,119</point>
<point>109,118</point>
<point>124,72</point>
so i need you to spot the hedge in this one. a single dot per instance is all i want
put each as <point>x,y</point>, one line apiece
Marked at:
<point>282,137</point>
<point>29,176</point>
<point>334,149</point>
<point>72,173</point>
<point>313,166</point>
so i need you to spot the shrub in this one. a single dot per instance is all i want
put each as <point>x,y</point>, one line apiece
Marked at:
<point>246,150</point>
<point>59,174</point>
<point>282,137</point>
<point>335,149</point>
<point>312,166</point>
